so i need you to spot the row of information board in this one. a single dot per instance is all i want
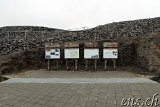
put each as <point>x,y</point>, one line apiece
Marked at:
<point>91,51</point>
<point>73,53</point>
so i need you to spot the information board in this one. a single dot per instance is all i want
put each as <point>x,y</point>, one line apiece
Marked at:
<point>52,53</point>
<point>71,53</point>
<point>110,53</point>
<point>91,53</point>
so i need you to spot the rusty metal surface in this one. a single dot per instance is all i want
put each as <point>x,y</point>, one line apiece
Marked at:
<point>110,44</point>
<point>91,44</point>
<point>71,44</point>
<point>53,45</point>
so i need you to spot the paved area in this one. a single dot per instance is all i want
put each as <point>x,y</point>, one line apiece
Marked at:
<point>74,95</point>
<point>79,80</point>
<point>79,89</point>
<point>79,74</point>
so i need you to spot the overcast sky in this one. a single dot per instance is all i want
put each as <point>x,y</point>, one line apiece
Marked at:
<point>68,14</point>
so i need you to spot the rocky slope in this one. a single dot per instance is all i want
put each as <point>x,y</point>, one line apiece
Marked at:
<point>148,52</point>
<point>21,38</point>
<point>134,44</point>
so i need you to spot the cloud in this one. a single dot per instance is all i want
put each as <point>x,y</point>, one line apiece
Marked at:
<point>68,14</point>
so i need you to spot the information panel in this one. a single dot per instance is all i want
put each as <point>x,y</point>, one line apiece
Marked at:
<point>71,53</point>
<point>52,53</point>
<point>110,53</point>
<point>91,53</point>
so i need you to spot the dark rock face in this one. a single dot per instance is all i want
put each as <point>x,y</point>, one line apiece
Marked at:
<point>148,52</point>
<point>127,34</point>
<point>17,61</point>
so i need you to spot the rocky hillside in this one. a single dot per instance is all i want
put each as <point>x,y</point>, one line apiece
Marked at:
<point>27,28</point>
<point>148,52</point>
<point>15,38</point>
<point>134,44</point>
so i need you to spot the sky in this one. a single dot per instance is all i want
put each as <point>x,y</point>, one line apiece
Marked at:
<point>74,14</point>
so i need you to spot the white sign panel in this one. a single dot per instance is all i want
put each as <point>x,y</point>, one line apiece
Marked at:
<point>71,53</point>
<point>91,53</point>
<point>110,53</point>
<point>52,53</point>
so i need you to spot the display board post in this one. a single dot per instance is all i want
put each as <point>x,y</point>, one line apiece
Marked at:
<point>86,65</point>
<point>76,67</point>
<point>71,52</point>
<point>95,64</point>
<point>67,65</point>
<point>105,66</point>
<point>114,64</point>
<point>48,64</point>
<point>52,51</point>
<point>110,51</point>
<point>57,64</point>
<point>91,52</point>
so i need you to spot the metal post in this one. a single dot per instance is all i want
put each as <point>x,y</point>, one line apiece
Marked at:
<point>76,67</point>
<point>86,64</point>
<point>105,65</point>
<point>48,64</point>
<point>95,64</point>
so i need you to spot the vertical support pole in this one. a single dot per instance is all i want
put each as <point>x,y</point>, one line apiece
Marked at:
<point>105,64</point>
<point>86,64</point>
<point>48,64</point>
<point>114,64</point>
<point>76,67</point>
<point>95,64</point>
<point>57,64</point>
<point>66,64</point>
